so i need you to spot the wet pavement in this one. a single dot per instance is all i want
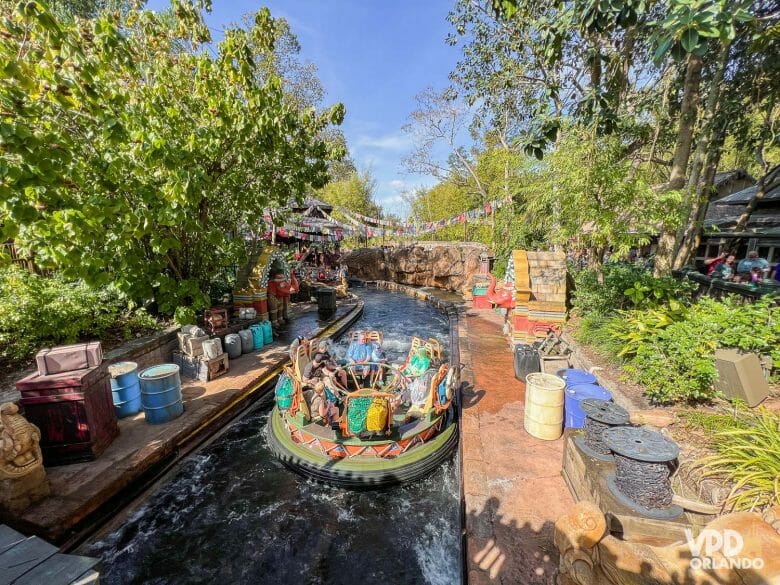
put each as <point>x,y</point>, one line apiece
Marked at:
<point>512,482</point>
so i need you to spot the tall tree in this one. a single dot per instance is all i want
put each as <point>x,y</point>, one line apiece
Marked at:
<point>130,154</point>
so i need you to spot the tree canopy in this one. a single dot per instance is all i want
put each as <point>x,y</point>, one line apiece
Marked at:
<point>133,149</point>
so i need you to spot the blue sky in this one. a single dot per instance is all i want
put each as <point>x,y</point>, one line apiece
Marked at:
<point>372,55</point>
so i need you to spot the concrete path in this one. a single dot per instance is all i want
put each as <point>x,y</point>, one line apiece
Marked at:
<point>81,492</point>
<point>512,482</point>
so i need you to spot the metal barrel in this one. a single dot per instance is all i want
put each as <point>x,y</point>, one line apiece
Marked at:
<point>326,301</point>
<point>543,416</point>
<point>161,393</point>
<point>573,376</point>
<point>125,389</point>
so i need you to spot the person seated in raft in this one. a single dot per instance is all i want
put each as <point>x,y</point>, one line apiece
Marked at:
<point>323,403</point>
<point>322,369</point>
<point>377,357</point>
<point>415,395</point>
<point>419,363</point>
<point>359,352</point>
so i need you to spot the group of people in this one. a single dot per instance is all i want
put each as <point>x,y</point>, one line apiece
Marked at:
<point>752,268</point>
<point>328,380</point>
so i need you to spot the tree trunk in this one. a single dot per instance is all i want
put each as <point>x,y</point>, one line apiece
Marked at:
<point>708,179</point>
<point>767,182</point>
<point>697,193</point>
<point>667,244</point>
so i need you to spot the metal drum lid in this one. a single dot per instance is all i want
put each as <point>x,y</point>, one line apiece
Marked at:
<point>604,411</point>
<point>160,371</point>
<point>641,444</point>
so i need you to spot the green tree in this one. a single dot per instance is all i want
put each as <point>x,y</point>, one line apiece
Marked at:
<point>355,193</point>
<point>128,153</point>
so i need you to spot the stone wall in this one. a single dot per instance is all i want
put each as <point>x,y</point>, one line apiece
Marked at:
<point>445,265</point>
<point>146,351</point>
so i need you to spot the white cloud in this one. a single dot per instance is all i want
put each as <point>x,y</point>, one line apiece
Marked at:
<point>398,185</point>
<point>396,141</point>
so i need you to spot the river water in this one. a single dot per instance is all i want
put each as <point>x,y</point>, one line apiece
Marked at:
<point>233,514</point>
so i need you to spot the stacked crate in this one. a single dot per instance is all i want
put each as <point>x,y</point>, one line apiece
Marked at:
<point>69,400</point>
<point>194,362</point>
<point>540,294</point>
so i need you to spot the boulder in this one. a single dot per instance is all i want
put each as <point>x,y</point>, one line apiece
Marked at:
<point>444,265</point>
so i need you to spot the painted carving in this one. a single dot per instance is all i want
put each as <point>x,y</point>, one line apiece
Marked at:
<point>736,548</point>
<point>19,442</point>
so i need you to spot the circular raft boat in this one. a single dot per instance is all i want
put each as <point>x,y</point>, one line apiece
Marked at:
<point>377,425</point>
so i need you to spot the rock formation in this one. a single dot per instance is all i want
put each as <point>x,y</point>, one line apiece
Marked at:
<point>445,265</point>
<point>22,477</point>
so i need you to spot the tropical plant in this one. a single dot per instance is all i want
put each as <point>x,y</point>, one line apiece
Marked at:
<point>748,457</point>
<point>37,311</point>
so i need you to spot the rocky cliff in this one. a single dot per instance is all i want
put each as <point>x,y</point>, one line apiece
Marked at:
<point>445,265</point>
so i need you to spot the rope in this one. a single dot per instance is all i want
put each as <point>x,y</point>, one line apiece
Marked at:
<point>645,483</point>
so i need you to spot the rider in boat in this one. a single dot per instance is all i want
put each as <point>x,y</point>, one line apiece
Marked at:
<point>322,367</point>
<point>359,352</point>
<point>324,403</point>
<point>419,363</point>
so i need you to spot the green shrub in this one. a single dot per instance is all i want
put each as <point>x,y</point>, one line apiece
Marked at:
<point>626,286</point>
<point>38,311</point>
<point>673,354</point>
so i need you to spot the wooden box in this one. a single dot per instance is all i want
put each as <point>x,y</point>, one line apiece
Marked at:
<point>74,412</point>
<point>216,319</point>
<point>214,368</point>
<point>199,367</point>
<point>67,358</point>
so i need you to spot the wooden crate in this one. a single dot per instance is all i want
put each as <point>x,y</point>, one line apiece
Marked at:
<point>214,368</point>
<point>74,412</point>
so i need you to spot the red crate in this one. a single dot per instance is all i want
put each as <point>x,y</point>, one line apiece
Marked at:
<point>74,412</point>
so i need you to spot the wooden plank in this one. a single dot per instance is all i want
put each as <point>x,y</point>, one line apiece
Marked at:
<point>9,537</point>
<point>19,559</point>
<point>58,569</point>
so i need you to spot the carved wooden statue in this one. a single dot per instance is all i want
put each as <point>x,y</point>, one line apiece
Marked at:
<point>735,549</point>
<point>22,477</point>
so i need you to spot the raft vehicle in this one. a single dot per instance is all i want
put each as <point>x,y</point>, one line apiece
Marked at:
<point>386,427</point>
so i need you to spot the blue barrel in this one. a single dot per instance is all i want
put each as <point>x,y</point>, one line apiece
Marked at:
<point>268,332</point>
<point>161,393</point>
<point>257,335</point>
<point>572,376</point>
<point>125,389</point>
<point>574,415</point>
